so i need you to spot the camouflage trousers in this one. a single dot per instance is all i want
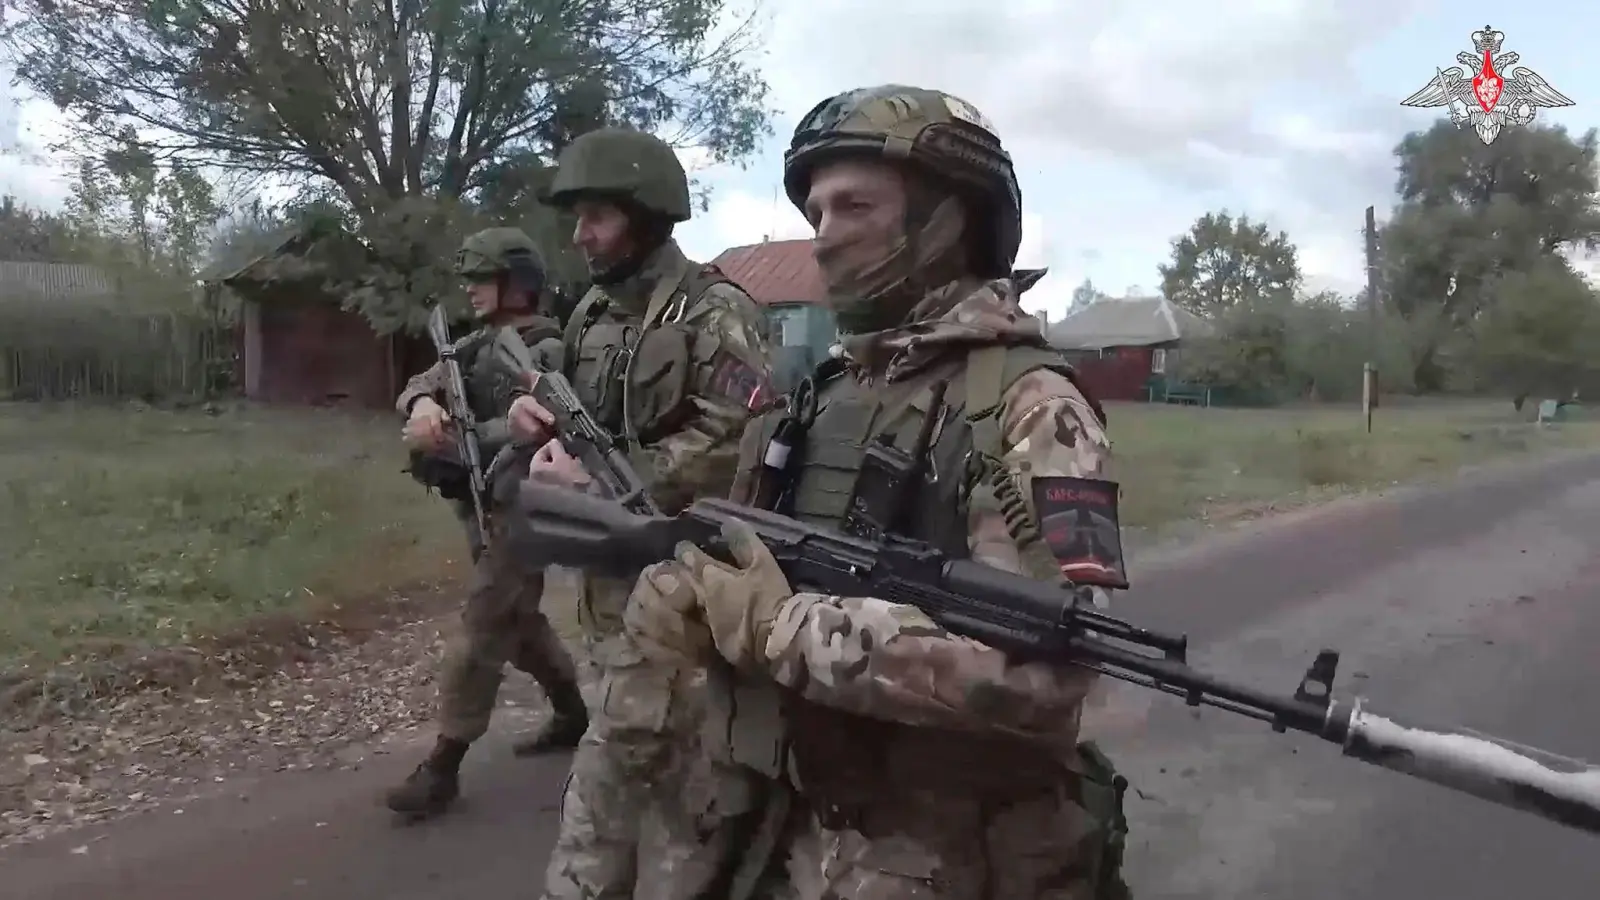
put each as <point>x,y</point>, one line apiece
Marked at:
<point>645,812</point>
<point>501,623</point>
<point>1062,841</point>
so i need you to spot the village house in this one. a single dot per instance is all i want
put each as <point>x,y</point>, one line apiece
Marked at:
<point>783,277</point>
<point>1126,349</point>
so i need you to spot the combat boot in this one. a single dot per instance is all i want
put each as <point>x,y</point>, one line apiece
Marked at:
<point>432,786</point>
<point>569,719</point>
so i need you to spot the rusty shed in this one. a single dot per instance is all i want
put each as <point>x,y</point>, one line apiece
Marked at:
<point>298,344</point>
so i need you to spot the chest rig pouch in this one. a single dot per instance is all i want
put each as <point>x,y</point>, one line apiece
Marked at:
<point>636,376</point>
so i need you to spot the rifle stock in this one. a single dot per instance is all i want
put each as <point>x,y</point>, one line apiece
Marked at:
<point>1036,621</point>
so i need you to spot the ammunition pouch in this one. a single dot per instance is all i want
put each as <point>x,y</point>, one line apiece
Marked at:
<point>598,362</point>
<point>659,383</point>
<point>449,478</point>
<point>1102,793</point>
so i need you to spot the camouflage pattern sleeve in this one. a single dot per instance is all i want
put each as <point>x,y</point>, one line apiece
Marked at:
<point>731,379</point>
<point>427,383</point>
<point>892,662</point>
<point>1049,433</point>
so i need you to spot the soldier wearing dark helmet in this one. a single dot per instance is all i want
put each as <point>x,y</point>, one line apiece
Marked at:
<point>501,622</point>
<point>672,358</point>
<point>924,764</point>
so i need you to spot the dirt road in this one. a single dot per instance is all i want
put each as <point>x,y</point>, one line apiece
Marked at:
<point>1476,605</point>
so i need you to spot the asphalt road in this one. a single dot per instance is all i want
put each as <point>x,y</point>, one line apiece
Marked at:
<point>1476,605</point>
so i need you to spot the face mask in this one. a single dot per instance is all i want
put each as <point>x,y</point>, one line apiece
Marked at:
<point>880,295</point>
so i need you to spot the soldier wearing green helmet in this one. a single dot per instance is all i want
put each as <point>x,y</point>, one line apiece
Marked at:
<point>501,622</point>
<point>671,357</point>
<point>923,764</point>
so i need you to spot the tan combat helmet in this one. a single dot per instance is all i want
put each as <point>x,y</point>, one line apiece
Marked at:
<point>941,134</point>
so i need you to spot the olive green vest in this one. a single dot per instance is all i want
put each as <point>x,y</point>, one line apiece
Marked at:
<point>489,384</point>
<point>599,343</point>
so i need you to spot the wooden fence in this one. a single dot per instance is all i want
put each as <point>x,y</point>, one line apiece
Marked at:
<point>67,351</point>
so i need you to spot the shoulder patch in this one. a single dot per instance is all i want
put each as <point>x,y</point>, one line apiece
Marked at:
<point>1078,520</point>
<point>737,380</point>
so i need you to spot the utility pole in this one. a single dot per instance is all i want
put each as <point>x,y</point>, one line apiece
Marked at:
<point>1369,374</point>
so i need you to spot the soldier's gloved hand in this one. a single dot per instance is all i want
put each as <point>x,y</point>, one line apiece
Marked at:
<point>663,619</point>
<point>739,603</point>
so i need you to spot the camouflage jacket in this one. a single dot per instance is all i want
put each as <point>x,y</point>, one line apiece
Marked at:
<point>730,373</point>
<point>910,670</point>
<point>493,433</point>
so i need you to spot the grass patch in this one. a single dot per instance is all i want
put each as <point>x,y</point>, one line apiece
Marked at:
<point>161,535</point>
<point>125,529</point>
<point>1177,462</point>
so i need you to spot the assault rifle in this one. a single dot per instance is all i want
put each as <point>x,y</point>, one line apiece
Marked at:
<point>463,424</point>
<point>591,444</point>
<point>1033,620</point>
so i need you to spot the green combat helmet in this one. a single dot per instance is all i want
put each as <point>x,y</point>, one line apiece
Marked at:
<point>622,164</point>
<point>503,252</point>
<point>942,135</point>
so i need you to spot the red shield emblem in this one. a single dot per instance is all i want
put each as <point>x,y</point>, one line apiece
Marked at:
<point>1487,85</point>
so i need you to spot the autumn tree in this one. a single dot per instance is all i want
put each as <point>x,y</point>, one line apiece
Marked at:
<point>426,118</point>
<point>129,212</point>
<point>1540,333</point>
<point>31,235</point>
<point>246,232</point>
<point>1469,215</point>
<point>1223,262</point>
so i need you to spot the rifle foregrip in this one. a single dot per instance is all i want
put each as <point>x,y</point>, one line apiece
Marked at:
<point>971,614</point>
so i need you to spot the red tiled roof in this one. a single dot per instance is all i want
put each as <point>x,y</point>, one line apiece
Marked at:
<point>774,272</point>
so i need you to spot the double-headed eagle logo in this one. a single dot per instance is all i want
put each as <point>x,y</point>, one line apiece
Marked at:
<point>1488,101</point>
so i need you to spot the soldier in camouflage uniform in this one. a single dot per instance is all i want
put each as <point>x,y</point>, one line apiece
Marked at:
<point>927,764</point>
<point>672,358</point>
<point>501,622</point>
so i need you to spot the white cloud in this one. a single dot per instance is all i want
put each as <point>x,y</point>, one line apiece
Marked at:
<point>29,171</point>
<point>1126,121</point>
<point>739,217</point>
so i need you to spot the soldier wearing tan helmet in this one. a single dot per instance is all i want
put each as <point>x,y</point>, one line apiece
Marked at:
<point>501,622</point>
<point>925,764</point>
<point>672,358</point>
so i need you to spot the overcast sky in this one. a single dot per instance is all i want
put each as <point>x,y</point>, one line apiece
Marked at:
<point>1126,120</point>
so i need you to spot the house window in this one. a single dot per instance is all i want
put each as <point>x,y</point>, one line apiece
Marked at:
<point>1158,361</point>
<point>790,325</point>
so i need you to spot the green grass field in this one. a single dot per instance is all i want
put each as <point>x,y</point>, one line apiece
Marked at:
<point>123,530</point>
<point>1179,462</point>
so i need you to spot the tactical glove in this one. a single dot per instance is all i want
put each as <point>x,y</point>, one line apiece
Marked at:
<point>739,602</point>
<point>680,609</point>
